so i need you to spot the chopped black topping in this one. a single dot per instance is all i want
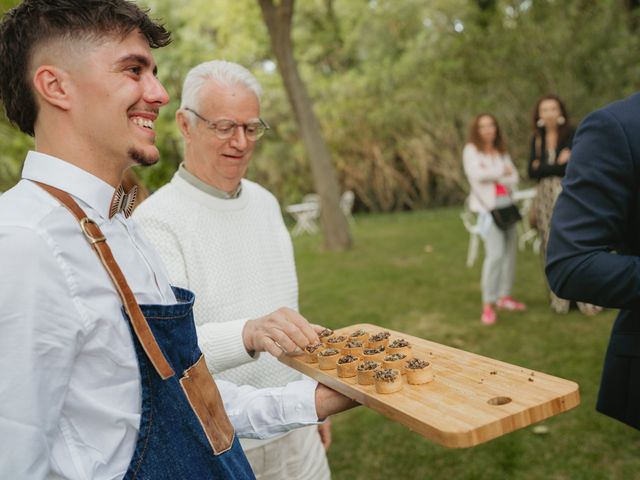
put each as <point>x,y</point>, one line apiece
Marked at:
<point>329,351</point>
<point>379,336</point>
<point>313,348</point>
<point>339,339</point>
<point>327,332</point>
<point>400,342</point>
<point>368,365</point>
<point>386,374</point>
<point>394,357</point>
<point>347,359</point>
<point>417,364</point>
<point>373,351</point>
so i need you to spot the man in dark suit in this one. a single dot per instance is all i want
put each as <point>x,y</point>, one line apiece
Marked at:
<point>594,245</point>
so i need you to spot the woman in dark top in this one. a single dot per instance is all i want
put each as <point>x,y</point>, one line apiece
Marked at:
<point>550,153</point>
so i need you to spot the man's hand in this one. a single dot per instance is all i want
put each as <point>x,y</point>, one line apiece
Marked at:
<point>324,429</point>
<point>329,402</point>
<point>283,331</point>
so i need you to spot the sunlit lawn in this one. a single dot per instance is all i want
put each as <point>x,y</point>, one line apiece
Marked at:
<point>407,272</point>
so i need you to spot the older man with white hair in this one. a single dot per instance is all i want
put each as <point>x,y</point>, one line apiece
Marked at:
<point>223,236</point>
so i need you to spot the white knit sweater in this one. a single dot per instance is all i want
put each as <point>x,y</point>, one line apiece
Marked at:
<point>236,256</point>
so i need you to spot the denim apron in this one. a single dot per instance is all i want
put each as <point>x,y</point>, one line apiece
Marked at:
<point>171,442</point>
<point>184,431</point>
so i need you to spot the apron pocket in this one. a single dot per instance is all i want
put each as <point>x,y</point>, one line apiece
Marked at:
<point>206,402</point>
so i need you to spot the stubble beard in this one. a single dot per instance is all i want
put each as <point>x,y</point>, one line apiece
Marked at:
<point>141,158</point>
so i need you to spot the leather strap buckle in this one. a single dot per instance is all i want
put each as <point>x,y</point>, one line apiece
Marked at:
<point>84,225</point>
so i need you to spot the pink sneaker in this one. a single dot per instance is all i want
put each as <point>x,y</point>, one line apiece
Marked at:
<point>509,304</point>
<point>488,316</point>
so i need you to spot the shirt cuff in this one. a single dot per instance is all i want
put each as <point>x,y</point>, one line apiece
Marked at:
<point>299,403</point>
<point>222,345</point>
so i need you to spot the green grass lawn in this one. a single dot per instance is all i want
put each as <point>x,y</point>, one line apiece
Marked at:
<point>407,272</point>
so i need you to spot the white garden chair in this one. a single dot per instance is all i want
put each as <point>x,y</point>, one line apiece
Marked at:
<point>470,222</point>
<point>346,204</point>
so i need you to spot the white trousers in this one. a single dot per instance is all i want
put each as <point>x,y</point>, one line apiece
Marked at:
<point>298,455</point>
<point>499,267</point>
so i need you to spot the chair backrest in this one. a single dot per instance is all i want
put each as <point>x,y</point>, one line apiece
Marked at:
<point>346,202</point>
<point>311,198</point>
<point>469,218</point>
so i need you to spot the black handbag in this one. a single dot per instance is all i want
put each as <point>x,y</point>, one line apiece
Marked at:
<point>506,217</point>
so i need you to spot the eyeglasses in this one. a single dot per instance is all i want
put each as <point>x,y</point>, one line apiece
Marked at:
<point>225,129</point>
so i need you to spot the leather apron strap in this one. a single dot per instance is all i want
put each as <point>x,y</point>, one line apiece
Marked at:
<point>99,244</point>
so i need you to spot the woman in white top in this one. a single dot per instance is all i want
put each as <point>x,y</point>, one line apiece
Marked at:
<point>491,175</point>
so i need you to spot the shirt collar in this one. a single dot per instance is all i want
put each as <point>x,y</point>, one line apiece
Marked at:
<point>96,193</point>
<point>191,179</point>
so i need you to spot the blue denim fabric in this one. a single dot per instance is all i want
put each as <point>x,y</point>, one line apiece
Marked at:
<point>171,443</point>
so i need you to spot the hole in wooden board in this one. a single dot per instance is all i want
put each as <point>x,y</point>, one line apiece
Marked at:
<point>499,401</point>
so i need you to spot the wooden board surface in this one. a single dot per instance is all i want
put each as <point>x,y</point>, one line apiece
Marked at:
<point>465,403</point>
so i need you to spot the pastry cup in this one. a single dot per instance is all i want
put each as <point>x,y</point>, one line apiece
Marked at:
<point>376,357</point>
<point>360,336</point>
<point>311,353</point>
<point>325,335</point>
<point>355,351</point>
<point>419,376</point>
<point>379,339</point>
<point>347,369</point>
<point>406,349</point>
<point>388,385</point>
<point>328,362</point>
<point>336,342</point>
<point>365,377</point>
<point>398,364</point>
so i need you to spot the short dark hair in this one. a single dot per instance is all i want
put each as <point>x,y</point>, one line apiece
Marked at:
<point>35,22</point>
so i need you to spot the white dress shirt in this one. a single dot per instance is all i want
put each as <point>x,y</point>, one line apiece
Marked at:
<point>70,389</point>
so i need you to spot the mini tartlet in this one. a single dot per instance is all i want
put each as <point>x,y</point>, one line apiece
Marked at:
<point>375,354</point>
<point>311,352</point>
<point>399,345</point>
<point>366,370</point>
<point>347,366</point>
<point>380,338</point>
<point>327,359</point>
<point>336,342</point>
<point>418,371</point>
<point>359,335</point>
<point>388,380</point>
<point>396,360</point>
<point>325,334</point>
<point>353,347</point>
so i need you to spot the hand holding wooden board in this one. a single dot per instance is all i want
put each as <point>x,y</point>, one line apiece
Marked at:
<point>472,399</point>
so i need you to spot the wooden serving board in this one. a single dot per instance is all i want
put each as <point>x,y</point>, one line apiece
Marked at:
<point>471,400</point>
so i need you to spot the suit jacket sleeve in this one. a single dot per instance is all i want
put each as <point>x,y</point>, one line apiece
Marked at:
<point>588,252</point>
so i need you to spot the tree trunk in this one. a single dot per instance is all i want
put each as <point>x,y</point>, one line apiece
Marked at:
<point>334,224</point>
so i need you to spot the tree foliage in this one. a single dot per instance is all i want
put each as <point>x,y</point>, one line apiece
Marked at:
<point>394,84</point>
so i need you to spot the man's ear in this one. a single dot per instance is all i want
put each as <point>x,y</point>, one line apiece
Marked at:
<point>51,84</point>
<point>184,125</point>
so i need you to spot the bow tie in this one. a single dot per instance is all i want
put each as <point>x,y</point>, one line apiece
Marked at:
<point>123,202</point>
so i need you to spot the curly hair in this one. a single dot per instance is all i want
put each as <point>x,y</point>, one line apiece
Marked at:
<point>34,23</point>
